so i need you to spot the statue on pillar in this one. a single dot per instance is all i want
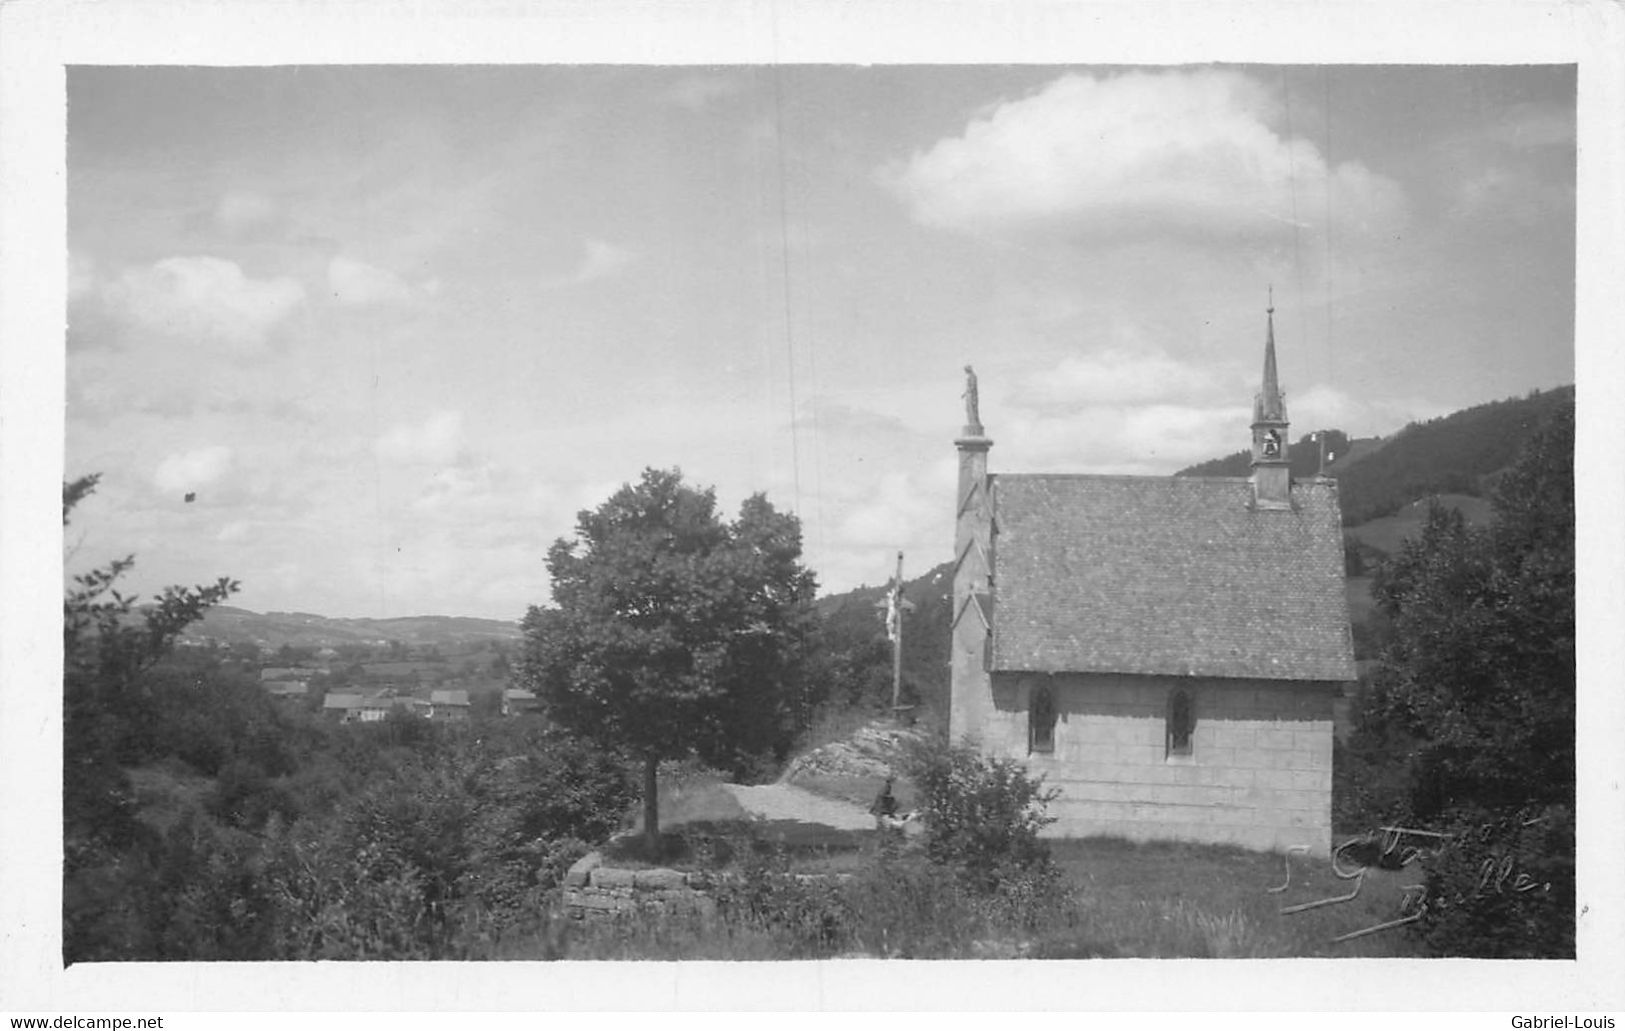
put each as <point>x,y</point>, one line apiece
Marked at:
<point>973,417</point>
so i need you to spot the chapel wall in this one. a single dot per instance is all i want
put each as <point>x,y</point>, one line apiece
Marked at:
<point>1259,772</point>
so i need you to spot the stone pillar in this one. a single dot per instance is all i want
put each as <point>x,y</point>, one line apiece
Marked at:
<point>970,693</point>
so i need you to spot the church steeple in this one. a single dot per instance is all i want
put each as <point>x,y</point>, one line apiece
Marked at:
<point>1272,473</point>
<point>1269,404</point>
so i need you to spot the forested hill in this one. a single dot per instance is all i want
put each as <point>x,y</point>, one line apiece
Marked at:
<point>1460,453</point>
<point>307,630</point>
<point>855,637</point>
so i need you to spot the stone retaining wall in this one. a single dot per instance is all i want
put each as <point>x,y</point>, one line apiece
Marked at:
<point>592,889</point>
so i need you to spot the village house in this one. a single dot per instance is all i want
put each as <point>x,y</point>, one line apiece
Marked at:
<point>448,705</point>
<point>516,701</point>
<point>1165,651</point>
<point>360,707</point>
<point>287,688</point>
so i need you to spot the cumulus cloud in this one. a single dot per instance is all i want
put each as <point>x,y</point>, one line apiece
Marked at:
<point>355,282</point>
<point>1142,155</point>
<point>203,300</point>
<point>436,441</point>
<point>192,469</point>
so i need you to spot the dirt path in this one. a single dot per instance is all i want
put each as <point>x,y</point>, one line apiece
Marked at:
<point>788,802</point>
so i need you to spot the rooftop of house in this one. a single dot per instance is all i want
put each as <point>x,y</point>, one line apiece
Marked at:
<point>1168,576</point>
<point>287,673</point>
<point>458,697</point>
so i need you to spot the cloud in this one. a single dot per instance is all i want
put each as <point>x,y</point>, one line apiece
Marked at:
<point>1137,156</point>
<point>203,300</point>
<point>1529,126</point>
<point>1116,376</point>
<point>242,213</point>
<point>600,261</point>
<point>192,469</point>
<point>356,283</point>
<point>1326,407</point>
<point>436,441</point>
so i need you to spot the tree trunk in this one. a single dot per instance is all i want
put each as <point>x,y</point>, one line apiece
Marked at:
<point>651,807</point>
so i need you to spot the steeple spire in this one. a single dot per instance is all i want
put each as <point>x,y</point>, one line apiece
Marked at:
<point>1272,476</point>
<point>1268,405</point>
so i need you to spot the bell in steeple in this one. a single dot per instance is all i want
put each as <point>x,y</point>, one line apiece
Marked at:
<point>1272,472</point>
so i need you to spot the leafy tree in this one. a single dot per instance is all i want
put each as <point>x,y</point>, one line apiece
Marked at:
<point>109,648</point>
<point>675,633</point>
<point>1480,662</point>
<point>1474,701</point>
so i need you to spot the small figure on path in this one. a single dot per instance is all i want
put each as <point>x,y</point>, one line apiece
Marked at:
<point>972,414</point>
<point>885,805</point>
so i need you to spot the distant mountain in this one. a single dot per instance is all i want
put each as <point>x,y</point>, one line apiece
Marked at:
<point>303,629</point>
<point>1461,454</point>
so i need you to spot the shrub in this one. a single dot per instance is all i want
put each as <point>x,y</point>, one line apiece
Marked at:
<point>1504,886</point>
<point>982,815</point>
<point>808,917</point>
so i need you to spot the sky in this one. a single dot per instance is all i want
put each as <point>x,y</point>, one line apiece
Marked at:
<point>394,327</point>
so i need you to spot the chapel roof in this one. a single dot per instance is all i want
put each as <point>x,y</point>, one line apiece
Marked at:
<point>1176,576</point>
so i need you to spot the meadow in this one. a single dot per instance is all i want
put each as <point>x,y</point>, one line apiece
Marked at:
<point>1111,899</point>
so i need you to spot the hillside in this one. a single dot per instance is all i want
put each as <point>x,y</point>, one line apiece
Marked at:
<point>1460,453</point>
<point>855,633</point>
<point>1456,454</point>
<point>229,625</point>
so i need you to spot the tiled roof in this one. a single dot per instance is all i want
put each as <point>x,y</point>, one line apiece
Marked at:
<point>1168,575</point>
<point>343,700</point>
<point>448,697</point>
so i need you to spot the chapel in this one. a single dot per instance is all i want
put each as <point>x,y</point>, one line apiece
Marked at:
<point>1165,650</point>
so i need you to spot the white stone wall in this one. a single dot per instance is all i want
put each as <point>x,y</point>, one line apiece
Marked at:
<point>1259,774</point>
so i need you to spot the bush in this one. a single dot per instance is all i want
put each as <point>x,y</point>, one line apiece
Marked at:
<point>1504,886</point>
<point>808,917</point>
<point>982,815</point>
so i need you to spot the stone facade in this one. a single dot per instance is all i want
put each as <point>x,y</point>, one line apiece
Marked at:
<point>1258,773</point>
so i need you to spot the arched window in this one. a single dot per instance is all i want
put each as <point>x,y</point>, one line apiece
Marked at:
<point>1180,723</point>
<point>1041,714</point>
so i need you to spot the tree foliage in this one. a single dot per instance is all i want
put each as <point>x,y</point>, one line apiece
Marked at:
<point>204,821</point>
<point>982,815</point>
<point>1471,714</point>
<point>675,633</point>
<point>1480,662</point>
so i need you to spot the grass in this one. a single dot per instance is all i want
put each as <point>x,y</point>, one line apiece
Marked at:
<point>1168,899</point>
<point>1125,899</point>
<point>1161,900</point>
